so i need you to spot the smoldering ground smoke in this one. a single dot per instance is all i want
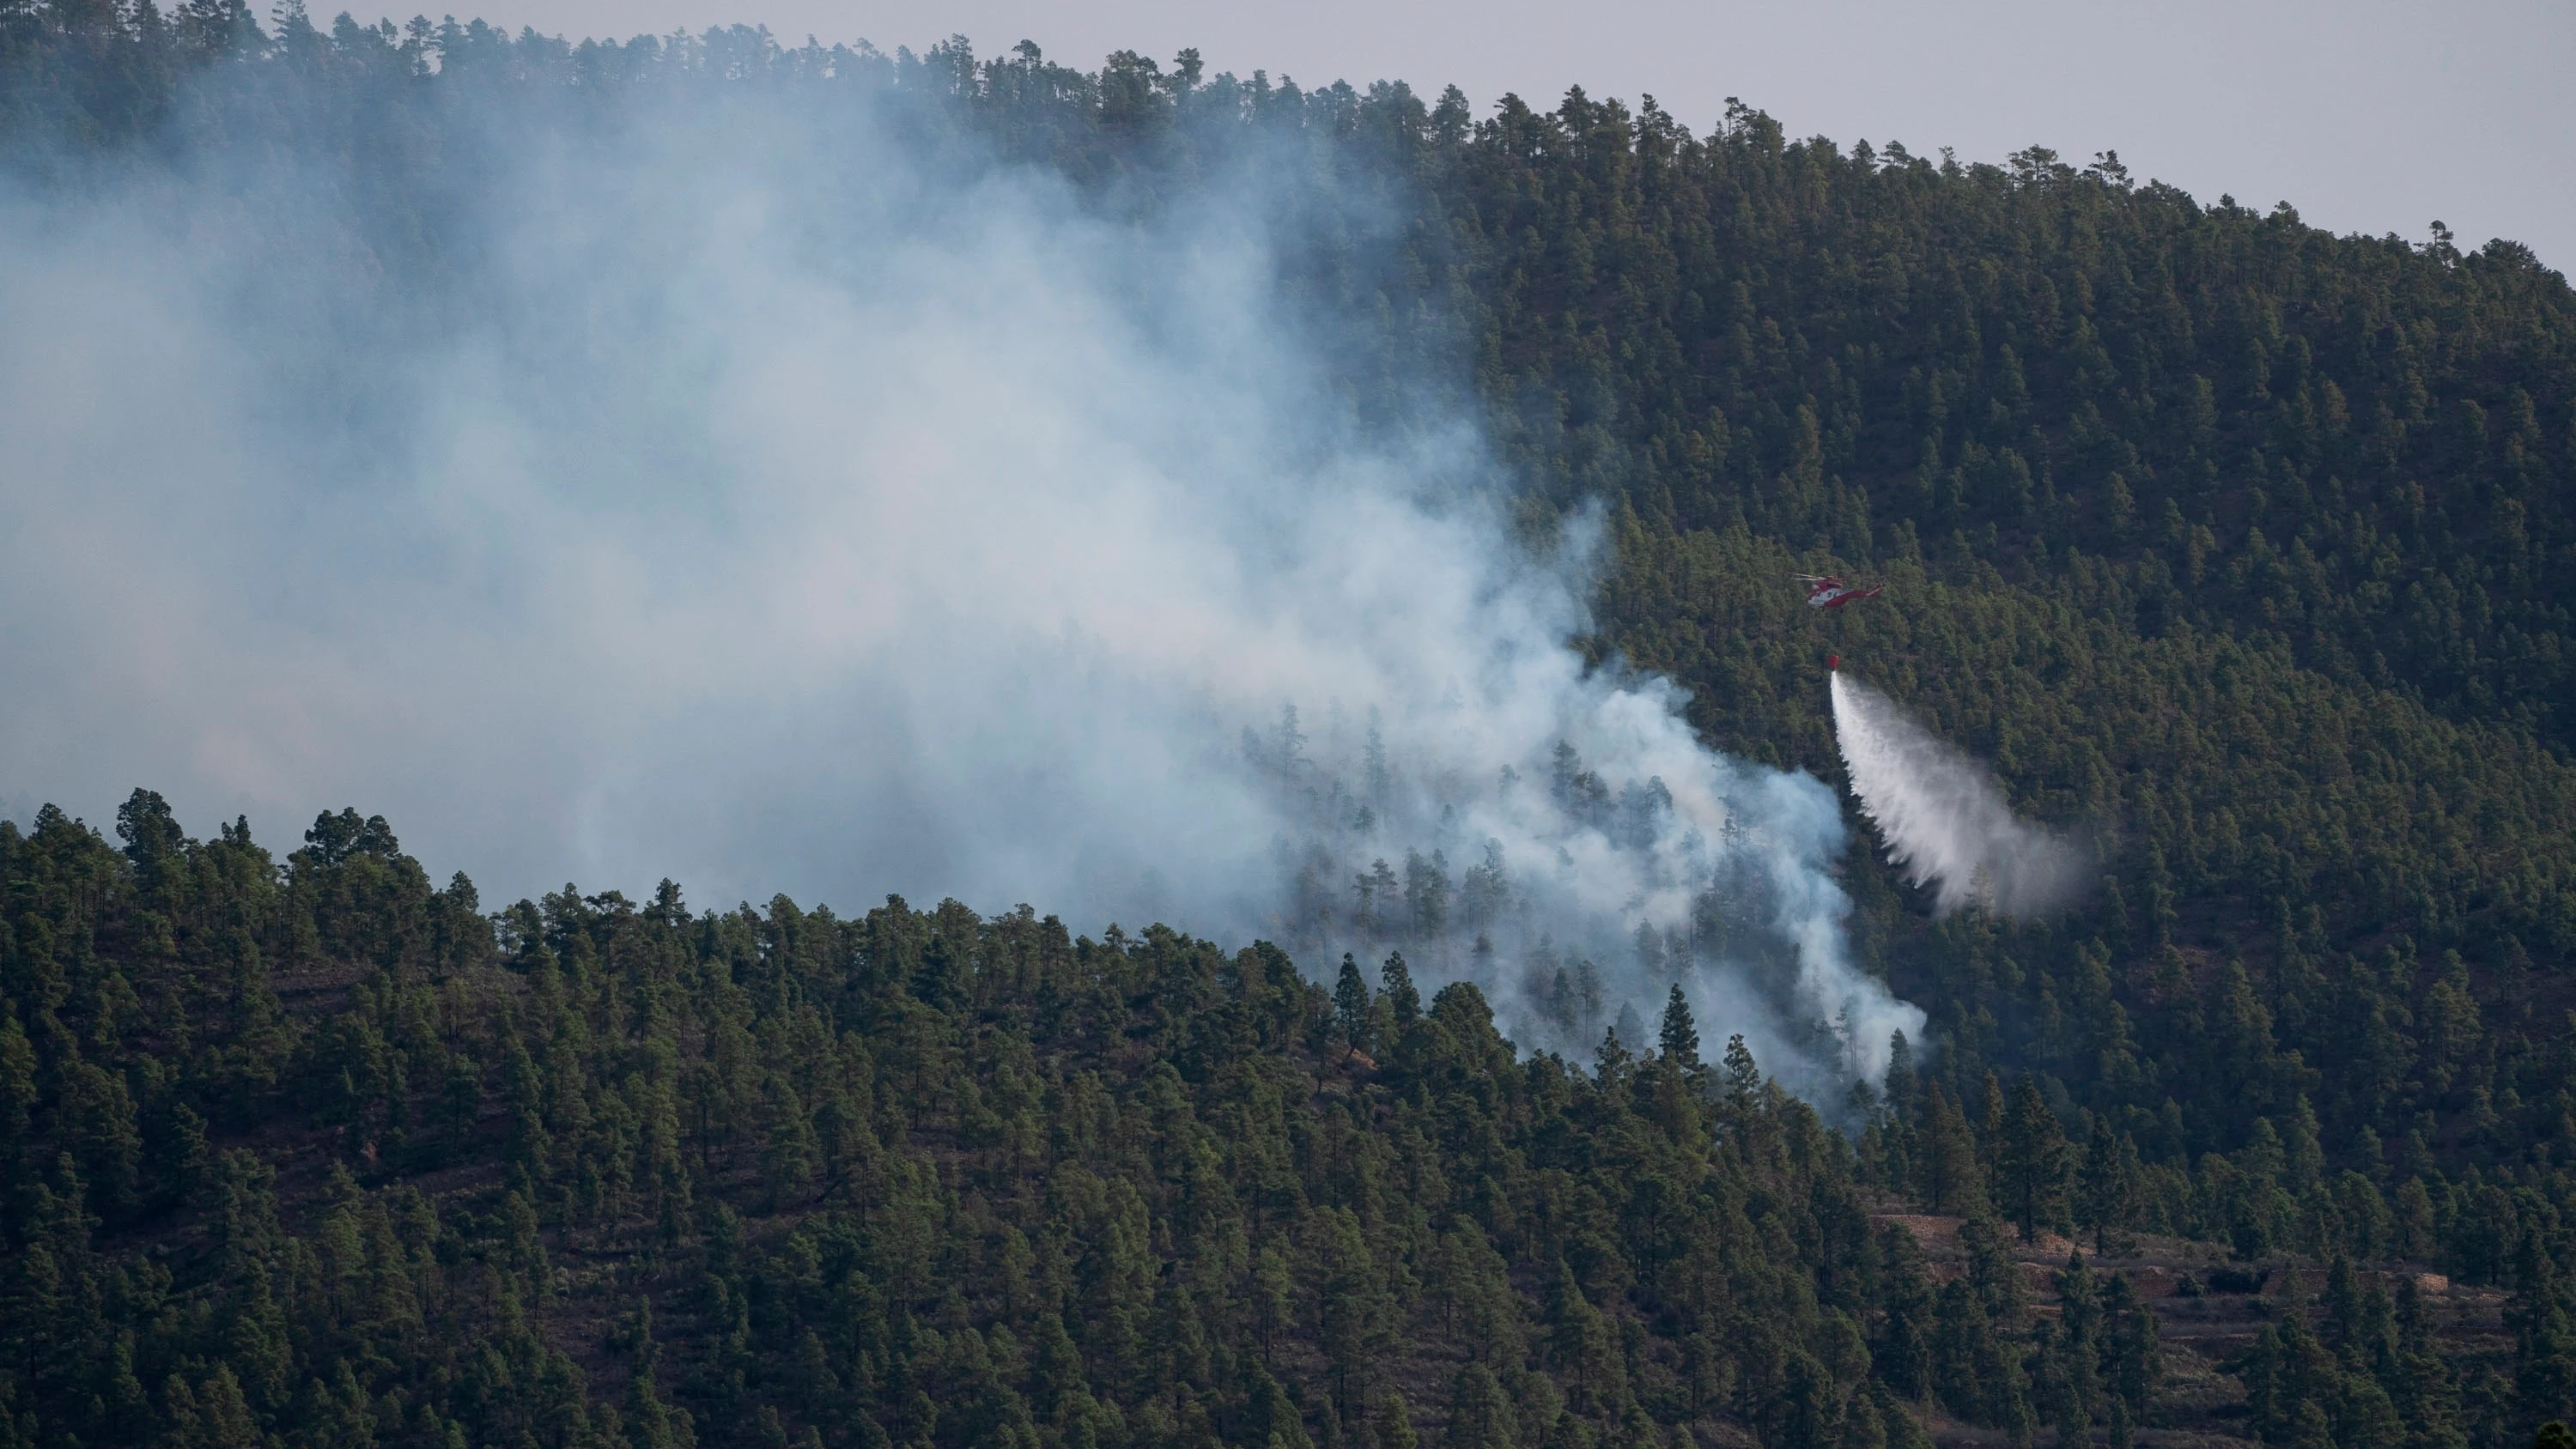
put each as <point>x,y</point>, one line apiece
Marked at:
<point>768,494</point>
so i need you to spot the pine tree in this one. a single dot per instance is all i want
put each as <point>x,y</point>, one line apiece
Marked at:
<point>1902,1354</point>
<point>18,1094</point>
<point>1952,1180</point>
<point>1395,1425</point>
<point>1743,1078</point>
<point>2032,1161</point>
<point>1480,1417</point>
<point>1402,1000</point>
<point>1680,1035</point>
<point>2131,1354</point>
<point>2107,1188</point>
<point>1351,1002</point>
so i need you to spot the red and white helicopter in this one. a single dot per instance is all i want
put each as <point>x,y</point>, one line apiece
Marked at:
<point>1828,591</point>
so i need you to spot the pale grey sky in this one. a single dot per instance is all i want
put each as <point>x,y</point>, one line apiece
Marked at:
<point>2368,115</point>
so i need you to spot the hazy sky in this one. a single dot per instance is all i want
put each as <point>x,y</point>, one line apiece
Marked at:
<point>2367,115</point>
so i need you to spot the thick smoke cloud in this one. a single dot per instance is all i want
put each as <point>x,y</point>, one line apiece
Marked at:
<point>1942,817</point>
<point>776,505</point>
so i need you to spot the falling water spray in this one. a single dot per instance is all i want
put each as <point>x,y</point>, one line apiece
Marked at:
<point>1942,816</point>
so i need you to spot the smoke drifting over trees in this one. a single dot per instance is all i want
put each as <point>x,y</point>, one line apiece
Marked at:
<point>774,488</point>
<point>504,434</point>
<point>1573,892</point>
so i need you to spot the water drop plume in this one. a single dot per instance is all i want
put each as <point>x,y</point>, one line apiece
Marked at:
<point>1943,817</point>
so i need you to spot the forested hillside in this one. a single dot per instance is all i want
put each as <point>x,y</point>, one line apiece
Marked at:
<point>2242,548</point>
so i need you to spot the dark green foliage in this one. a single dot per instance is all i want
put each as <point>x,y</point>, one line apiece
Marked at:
<point>917,1178</point>
<point>1351,1002</point>
<point>2031,1162</point>
<point>2242,547</point>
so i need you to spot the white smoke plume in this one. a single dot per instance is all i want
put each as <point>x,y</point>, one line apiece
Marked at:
<point>773,504</point>
<point>1942,817</point>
